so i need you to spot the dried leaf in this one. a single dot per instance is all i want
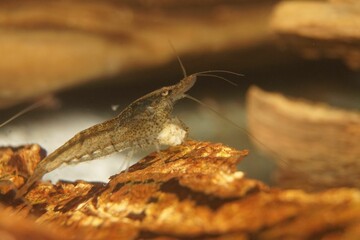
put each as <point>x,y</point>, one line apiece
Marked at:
<point>320,28</point>
<point>193,191</point>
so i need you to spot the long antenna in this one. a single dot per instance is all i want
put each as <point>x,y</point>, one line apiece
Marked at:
<point>223,71</point>
<point>48,100</point>
<point>178,58</point>
<point>22,112</point>
<point>235,125</point>
<point>216,76</point>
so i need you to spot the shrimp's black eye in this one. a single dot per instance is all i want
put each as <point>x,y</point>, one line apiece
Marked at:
<point>165,93</point>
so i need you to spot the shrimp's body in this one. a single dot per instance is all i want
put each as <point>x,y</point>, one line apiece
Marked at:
<point>143,123</point>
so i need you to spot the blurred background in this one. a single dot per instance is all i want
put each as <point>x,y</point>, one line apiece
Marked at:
<point>303,56</point>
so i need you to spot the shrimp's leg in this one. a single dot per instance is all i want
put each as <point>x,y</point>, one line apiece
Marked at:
<point>157,146</point>
<point>128,159</point>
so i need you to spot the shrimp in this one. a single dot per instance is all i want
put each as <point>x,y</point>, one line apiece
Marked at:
<point>145,122</point>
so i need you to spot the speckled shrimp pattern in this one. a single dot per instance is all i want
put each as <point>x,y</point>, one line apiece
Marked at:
<point>137,126</point>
